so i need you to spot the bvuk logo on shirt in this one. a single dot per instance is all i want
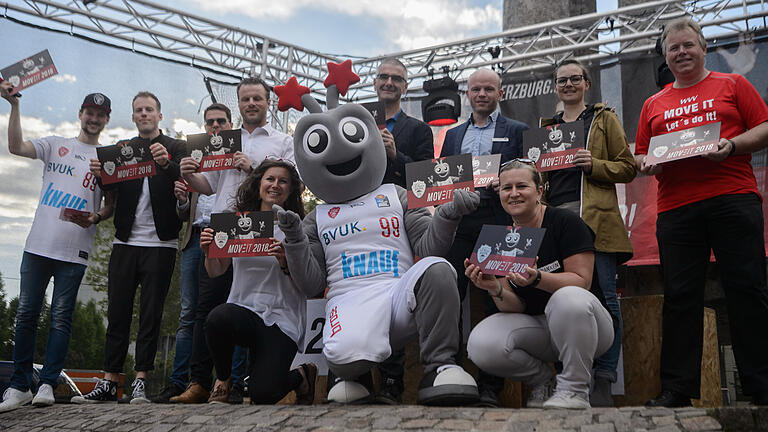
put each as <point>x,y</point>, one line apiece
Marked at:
<point>345,230</point>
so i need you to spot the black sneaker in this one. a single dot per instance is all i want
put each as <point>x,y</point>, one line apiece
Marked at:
<point>105,391</point>
<point>139,393</point>
<point>391,392</point>
<point>669,399</point>
<point>236,395</point>
<point>488,398</point>
<point>168,392</point>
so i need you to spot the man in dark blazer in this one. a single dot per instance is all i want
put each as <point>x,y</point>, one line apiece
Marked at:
<point>406,139</point>
<point>144,252</point>
<point>485,132</point>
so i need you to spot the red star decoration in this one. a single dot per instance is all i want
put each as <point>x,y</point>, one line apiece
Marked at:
<point>289,95</point>
<point>341,75</point>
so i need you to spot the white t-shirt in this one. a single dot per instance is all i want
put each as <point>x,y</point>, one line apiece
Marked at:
<point>264,141</point>
<point>67,182</point>
<point>144,232</point>
<point>259,285</point>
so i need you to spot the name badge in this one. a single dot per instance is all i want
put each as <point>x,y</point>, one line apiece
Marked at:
<point>501,139</point>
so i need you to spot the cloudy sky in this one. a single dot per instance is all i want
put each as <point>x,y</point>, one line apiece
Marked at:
<point>343,27</point>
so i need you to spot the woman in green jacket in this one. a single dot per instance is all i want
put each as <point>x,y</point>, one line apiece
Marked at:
<point>589,190</point>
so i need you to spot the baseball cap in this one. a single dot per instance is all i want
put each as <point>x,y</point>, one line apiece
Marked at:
<point>97,100</point>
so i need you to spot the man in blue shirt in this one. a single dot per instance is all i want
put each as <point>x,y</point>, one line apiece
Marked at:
<point>486,132</point>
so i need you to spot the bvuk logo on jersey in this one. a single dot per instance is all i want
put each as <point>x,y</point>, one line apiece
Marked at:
<point>339,232</point>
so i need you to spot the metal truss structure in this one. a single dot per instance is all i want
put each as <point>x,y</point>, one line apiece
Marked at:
<point>175,35</point>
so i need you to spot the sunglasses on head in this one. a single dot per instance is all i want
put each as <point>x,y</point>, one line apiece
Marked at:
<point>521,160</point>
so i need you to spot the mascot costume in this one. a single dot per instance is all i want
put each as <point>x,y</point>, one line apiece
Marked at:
<point>362,245</point>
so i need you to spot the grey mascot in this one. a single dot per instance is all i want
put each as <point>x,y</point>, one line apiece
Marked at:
<point>363,246</point>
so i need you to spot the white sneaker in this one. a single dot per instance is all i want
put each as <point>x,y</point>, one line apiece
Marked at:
<point>348,392</point>
<point>567,400</point>
<point>13,399</point>
<point>44,396</point>
<point>540,393</point>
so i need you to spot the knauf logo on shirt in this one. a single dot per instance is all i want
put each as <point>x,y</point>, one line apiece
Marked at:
<point>58,198</point>
<point>374,262</point>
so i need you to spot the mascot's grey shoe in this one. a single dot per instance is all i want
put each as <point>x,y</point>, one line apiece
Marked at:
<point>448,385</point>
<point>349,392</point>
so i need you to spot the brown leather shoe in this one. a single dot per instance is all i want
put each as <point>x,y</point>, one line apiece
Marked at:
<point>220,393</point>
<point>194,394</point>
<point>305,394</point>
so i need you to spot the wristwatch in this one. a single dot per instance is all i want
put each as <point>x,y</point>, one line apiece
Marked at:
<point>537,280</point>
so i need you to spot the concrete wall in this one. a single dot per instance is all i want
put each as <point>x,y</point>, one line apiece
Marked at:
<point>518,13</point>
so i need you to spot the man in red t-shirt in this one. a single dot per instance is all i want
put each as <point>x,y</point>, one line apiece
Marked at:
<point>707,203</point>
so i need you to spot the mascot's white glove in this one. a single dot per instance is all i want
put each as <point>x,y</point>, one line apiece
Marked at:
<point>464,202</point>
<point>290,223</point>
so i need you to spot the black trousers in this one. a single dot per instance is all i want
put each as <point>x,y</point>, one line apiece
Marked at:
<point>732,227</point>
<point>211,293</point>
<point>129,266</point>
<point>270,352</point>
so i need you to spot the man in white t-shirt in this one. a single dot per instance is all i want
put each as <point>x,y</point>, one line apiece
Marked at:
<point>143,252</point>
<point>55,247</point>
<point>259,140</point>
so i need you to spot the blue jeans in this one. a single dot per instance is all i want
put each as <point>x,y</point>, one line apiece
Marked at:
<point>190,261</point>
<point>36,272</point>
<point>605,266</point>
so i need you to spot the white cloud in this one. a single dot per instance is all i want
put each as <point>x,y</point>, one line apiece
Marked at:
<point>415,23</point>
<point>191,101</point>
<point>186,127</point>
<point>65,78</point>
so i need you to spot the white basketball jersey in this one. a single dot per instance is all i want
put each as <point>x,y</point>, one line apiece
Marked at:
<point>364,241</point>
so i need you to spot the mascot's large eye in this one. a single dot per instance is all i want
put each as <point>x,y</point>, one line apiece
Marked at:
<point>316,138</point>
<point>353,129</point>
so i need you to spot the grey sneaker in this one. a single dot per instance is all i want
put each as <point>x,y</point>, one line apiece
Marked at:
<point>567,400</point>
<point>139,394</point>
<point>540,393</point>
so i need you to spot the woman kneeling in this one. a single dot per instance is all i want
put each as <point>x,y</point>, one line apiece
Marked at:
<point>265,311</point>
<point>548,313</point>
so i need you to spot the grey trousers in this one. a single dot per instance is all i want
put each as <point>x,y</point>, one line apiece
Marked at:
<point>574,329</point>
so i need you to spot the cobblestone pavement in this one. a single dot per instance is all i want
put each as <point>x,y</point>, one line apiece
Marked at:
<point>321,418</point>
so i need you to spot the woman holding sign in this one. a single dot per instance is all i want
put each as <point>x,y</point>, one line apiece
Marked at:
<point>588,189</point>
<point>265,311</point>
<point>547,313</point>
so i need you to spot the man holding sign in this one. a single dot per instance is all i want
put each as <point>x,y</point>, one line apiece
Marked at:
<point>144,251</point>
<point>57,246</point>
<point>485,132</point>
<point>710,202</point>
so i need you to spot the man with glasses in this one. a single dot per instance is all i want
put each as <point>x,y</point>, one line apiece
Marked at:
<point>199,294</point>
<point>485,132</point>
<point>406,140</point>
<point>259,140</point>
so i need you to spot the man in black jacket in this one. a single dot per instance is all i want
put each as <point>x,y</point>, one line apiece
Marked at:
<point>406,139</point>
<point>144,252</point>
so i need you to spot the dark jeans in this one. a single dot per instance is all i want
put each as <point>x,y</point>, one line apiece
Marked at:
<point>732,226</point>
<point>271,351</point>
<point>190,263</point>
<point>211,293</point>
<point>129,266</point>
<point>36,272</point>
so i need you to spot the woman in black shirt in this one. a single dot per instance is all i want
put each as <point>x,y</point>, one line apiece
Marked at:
<point>548,313</point>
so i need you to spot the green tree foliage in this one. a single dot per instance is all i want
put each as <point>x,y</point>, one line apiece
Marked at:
<point>86,349</point>
<point>6,325</point>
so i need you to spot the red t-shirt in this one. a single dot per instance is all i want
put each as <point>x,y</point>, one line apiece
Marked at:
<point>727,98</point>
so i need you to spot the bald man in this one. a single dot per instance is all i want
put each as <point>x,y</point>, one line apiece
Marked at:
<point>485,132</point>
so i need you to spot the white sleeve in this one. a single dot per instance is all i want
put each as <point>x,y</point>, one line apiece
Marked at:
<point>43,147</point>
<point>213,179</point>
